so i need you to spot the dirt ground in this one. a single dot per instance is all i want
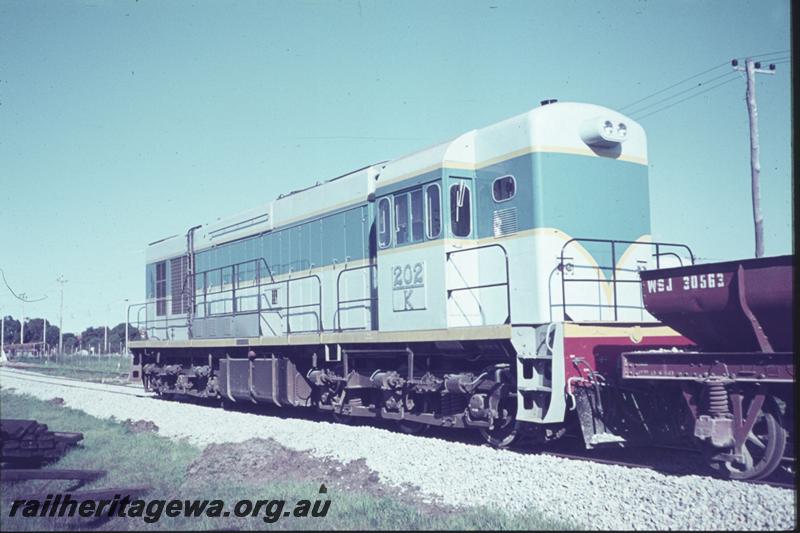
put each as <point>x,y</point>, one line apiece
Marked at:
<point>258,460</point>
<point>140,426</point>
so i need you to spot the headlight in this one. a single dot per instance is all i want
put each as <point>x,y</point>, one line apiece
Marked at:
<point>603,132</point>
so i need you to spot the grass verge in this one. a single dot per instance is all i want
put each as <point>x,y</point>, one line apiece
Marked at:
<point>85,367</point>
<point>147,458</point>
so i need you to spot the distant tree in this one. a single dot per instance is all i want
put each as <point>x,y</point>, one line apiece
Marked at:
<point>70,342</point>
<point>52,335</point>
<point>91,337</point>
<point>11,330</point>
<point>33,330</point>
<point>118,332</point>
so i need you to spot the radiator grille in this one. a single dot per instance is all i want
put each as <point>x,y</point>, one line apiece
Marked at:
<point>504,221</point>
<point>180,297</point>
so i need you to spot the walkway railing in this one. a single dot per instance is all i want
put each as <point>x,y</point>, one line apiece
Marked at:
<point>371,299</point>
<point>230,287</point>
<point>506,284</point>
<point>567,265</point>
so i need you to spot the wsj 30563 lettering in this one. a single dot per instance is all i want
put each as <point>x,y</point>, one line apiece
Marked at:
<point>713,280</point>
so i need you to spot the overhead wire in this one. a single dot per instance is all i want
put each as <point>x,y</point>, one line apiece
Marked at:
<point>687,98</point>
<point>635,110</point>
<point>673,85</point>
<point>770,53</point>
<point>765,62</point>
<point>692,88</point>
<point>18,297</point>
<point>706,71</point>
<point>773,60</point>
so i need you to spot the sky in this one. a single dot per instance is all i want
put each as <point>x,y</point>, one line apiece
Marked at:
<point>122,122</point>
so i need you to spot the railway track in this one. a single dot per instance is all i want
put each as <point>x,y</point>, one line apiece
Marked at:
<point>779,479</point>
<point>663,459</point>
<point>76,383</point>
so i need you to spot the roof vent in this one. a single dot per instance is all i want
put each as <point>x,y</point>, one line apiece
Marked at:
<point>550,101</point>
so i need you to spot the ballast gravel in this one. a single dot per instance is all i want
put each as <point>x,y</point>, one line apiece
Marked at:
<point>576,493</point>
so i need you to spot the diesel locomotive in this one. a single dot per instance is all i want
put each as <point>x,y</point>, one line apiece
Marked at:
<point>492,281</point>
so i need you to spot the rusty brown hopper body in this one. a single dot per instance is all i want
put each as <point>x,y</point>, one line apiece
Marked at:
<point>739,306</point>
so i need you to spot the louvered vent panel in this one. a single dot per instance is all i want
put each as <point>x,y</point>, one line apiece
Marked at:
<point>504,221</point>
<point>180,297</point>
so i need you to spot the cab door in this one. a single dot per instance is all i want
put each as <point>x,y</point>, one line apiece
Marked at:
<point>462,264</point>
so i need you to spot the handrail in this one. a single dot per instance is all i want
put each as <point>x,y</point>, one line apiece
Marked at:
<point>507,283</point>
<point>235,267</point>
<point>259,284</point>
<point>562,267</point>
<point>339,301</point>
<point>226,291</point>
<point>160,323</point>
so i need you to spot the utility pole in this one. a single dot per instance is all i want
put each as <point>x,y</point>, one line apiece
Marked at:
<point>126,327</point>
<point>22,321</point>
<point>44,338</point>
<point>105,339</point>
<point>750,69</point>
<point>61,281</point>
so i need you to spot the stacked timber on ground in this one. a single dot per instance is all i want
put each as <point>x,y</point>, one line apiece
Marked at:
<point>27,442</point>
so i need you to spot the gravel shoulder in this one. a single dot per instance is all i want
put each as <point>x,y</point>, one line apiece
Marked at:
<point>589,495</point>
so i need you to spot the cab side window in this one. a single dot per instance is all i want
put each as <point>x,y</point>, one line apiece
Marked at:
<point>504,188</point>
<point>384,223</point>
<point>417,217</point>
<point>401,218</point>
<point>460,209</point>
<point>410,216</point>
<point>433,202</point>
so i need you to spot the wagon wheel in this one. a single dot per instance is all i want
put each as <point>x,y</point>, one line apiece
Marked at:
<point>763,449</point>
<point>168,396</point>
<point>342,418</point>
<point>505,429</point>
<point>412,428</point>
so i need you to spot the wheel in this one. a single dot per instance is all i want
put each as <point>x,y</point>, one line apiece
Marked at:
<point>763,449</point>
<point>412,428</point>
<point>503,436</point>
<point>341,418</point>
<point>506,429</point>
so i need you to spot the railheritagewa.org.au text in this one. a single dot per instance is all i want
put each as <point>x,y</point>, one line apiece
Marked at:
<point>153,510</point>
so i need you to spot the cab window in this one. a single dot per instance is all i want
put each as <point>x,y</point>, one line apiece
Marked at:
<point>460,209</point>
<point>384,223</point>
<point>432,200</point>
<point>417,217</point>
<point>504,188</point>
<point>401,219</point>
